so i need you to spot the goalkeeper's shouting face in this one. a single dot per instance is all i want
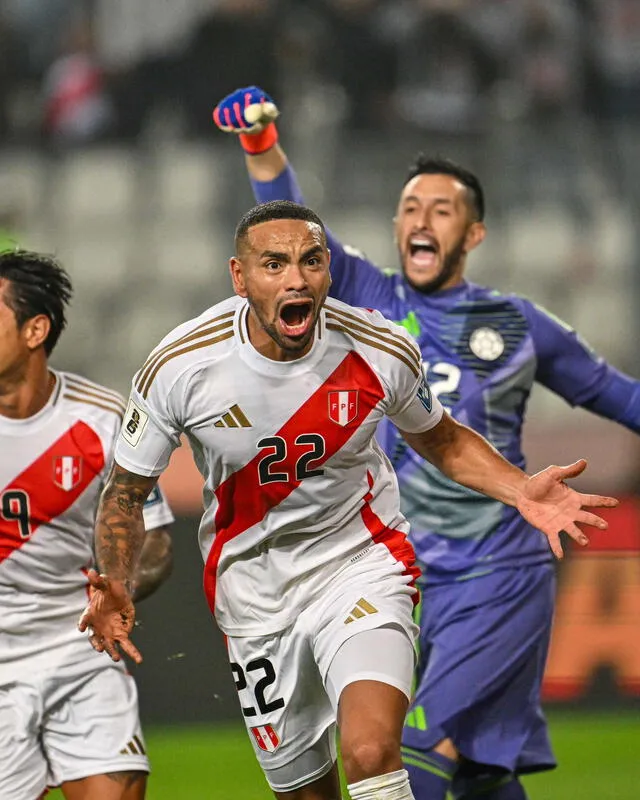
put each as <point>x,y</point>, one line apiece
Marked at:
<point>438,221</point>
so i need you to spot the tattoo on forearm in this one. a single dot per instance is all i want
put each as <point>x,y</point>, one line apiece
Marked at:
<point>120,524</point>
<point>155,563</point>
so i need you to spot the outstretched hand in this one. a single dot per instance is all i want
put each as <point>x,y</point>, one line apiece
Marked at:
<point>551,506</point>
<point>110,616</point>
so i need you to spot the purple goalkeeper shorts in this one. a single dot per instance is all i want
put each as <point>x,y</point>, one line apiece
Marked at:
<point>483,646</point>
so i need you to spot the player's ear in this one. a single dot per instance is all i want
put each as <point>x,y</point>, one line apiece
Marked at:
<point>474,236</point>
<point>36,330</point>
<point>237,277</point>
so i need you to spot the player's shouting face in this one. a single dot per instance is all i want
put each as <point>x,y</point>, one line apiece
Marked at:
<point>435,227</point>
<point>282,268</point>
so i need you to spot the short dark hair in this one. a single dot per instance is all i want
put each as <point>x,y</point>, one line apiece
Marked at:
<point>274,209</point>
<point>424,165</point>
<point>38,284</point>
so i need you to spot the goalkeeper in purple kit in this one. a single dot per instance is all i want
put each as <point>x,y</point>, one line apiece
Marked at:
<point>475,723</point>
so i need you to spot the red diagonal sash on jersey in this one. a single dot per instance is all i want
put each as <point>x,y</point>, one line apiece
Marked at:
<point>394,540</point>
<point>243,502</point>
<point>47,498</point>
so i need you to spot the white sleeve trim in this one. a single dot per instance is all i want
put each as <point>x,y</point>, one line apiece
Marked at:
<point>434,418</point>
<point>137,469</point>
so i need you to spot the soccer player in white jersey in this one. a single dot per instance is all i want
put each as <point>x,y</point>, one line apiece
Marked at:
<point>68,717</point>
<point>307,566</point>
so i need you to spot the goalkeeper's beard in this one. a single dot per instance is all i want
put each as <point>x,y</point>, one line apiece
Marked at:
<point>452,263</point>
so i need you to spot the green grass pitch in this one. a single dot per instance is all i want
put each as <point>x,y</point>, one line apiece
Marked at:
<point>598,756</point>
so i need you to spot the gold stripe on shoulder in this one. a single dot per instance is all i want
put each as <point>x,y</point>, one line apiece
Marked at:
<point>144,387</point>
<point>90,386</point>
<point>90,402</point>
<point>407,344</point>
<point>109,401</point>
<point>377,344</point>
<point>206,329</point>
<point>90,391</point>
<point>377,332</point>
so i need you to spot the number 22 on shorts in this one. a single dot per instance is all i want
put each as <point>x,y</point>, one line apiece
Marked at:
<point>239,676</point>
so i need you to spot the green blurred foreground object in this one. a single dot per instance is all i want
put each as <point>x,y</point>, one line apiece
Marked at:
<point>597,755</point>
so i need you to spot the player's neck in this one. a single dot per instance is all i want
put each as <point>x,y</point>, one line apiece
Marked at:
<point>453,282</point>
<point>456,278</point>
<point>24,394</point>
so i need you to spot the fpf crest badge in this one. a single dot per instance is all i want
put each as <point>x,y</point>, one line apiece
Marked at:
<point>343,406</point>
<point>266,737</point>
<point>67,472</point>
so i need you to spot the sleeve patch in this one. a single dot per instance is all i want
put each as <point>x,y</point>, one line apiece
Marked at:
<point>135,421</point>
<point>424,395</point>
<point>154,498</point>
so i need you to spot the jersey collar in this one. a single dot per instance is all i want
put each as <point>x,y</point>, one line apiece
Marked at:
<point>267,366</point>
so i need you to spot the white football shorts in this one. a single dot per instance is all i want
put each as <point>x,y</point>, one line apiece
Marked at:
<point>289,683</point>
<point>65,722</point>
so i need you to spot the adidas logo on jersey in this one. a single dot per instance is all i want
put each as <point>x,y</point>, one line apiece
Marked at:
<point>233,418</point>
<point>361,609</point>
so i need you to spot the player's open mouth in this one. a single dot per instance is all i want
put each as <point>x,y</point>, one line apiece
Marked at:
<point>296,317</point>
<point>423,251</point>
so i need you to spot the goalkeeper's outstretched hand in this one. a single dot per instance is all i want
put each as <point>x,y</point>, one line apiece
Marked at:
<point>250,113</point>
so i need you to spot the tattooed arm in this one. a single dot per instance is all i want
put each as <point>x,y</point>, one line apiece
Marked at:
<point>155,564</point>
<point>120,529</point>
<point>119,540</point>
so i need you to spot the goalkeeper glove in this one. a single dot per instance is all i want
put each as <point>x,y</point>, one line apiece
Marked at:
<point>250,113</point>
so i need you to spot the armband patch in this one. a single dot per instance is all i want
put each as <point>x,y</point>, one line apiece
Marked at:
<point>135,421</point>
<point>424,395</point>
<point>154,498</point>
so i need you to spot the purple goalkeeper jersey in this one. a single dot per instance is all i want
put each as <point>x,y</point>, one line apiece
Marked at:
<point>482,353</point>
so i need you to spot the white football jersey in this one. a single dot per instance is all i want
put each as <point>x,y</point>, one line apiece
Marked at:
<point>53,467</point>
<point>295,482</point>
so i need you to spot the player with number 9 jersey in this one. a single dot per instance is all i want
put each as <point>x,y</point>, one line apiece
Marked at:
<point>52,470</point>
<point>57,435</point>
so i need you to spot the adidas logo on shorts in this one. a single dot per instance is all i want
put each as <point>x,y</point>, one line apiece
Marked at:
<point>361,609</point>
<point>134,747</point>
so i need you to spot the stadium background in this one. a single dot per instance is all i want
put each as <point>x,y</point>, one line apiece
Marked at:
<point>108,158</point>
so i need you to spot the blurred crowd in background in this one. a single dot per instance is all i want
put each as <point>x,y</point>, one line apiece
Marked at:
<point>76,71</point>
<point>109,157</point>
